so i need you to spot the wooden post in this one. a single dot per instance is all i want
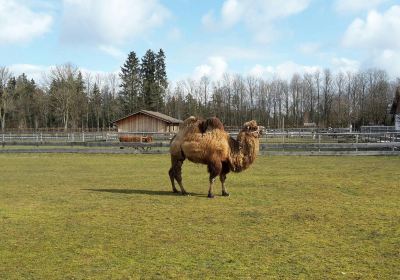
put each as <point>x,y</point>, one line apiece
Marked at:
<point>392,142</point>
<point>357,143</point>
<point>319,143</point>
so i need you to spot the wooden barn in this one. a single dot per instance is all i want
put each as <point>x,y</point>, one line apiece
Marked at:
<point>147,121</point>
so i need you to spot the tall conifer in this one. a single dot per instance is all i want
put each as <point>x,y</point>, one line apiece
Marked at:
<point>161,78</point>
<point>148,74</point>
<point>130,84</point>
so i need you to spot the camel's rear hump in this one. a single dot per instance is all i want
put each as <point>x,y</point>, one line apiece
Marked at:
<point>210,124</point>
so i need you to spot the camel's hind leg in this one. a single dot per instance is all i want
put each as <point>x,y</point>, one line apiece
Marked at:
<point>171,177</point>
<point>175,173</point>
<point>214,169</point>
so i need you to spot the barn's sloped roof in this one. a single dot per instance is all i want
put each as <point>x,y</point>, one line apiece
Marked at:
<point>153,114</point>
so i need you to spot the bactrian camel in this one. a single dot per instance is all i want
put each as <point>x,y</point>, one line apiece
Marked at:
<point>206,142</point>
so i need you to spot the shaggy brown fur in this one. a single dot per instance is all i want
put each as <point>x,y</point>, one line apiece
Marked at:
<point>210,124</point>
<point>206,142</point>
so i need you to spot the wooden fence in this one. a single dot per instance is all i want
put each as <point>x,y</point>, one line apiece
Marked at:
<point>286,143</point>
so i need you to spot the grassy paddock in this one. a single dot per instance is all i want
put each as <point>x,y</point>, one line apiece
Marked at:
<point>114,217</point>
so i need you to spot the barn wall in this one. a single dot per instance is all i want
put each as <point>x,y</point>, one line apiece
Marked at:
<point>141,123</point>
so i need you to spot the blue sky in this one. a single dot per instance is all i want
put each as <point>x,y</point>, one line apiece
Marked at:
<point>265,38</point>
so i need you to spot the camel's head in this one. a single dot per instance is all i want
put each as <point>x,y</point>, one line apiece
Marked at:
<point>252,128</point>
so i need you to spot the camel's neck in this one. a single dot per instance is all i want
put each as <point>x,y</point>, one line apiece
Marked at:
<point>244,156</point>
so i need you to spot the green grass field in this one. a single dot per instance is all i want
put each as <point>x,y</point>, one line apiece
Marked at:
<point>114,217</point>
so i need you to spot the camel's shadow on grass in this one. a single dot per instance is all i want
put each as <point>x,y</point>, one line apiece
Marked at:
<point>141,191</point>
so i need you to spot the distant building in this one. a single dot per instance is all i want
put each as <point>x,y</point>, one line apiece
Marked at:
<point>147,121</point>
<point>395,110</point>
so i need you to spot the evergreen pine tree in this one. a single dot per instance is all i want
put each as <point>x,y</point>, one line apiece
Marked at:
<point>130,84</point>
<point>148,74</point>
<point>161,78</point>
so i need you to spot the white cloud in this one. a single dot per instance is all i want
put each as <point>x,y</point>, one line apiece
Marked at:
<point>112,51</point>
<point>377,36</point>
<point>257,15</point>
<point>238,53</point>
<point>174,34</point>
<point>388,60</point>
<point>353,6</point>
<point>260,71</point>
<point>110,22</point>
<point>341,64</point>
<point>41,73</point>
<point>36,72</point>
<point>232,12</point>
<point>208,19</point>
<point>214,69</point>
<point>19,23</point>
<point>309,48</point>
<point>376,31</point>
<point>284,70</point>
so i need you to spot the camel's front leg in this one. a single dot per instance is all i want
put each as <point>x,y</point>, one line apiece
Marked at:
<point>222,177</point>
<point>210,189</point>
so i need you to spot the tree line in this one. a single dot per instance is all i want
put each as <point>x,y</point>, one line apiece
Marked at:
<point>324,98</point>
<point>70,99</point>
